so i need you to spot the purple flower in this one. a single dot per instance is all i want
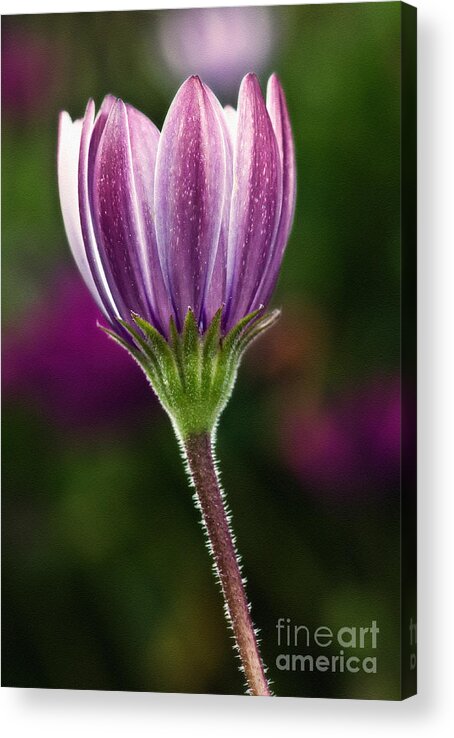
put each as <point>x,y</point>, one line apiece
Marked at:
<point>220,44</point>
<point>197,216</point>
<point>179,236</point>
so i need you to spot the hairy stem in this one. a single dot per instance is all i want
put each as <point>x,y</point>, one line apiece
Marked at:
<point>202,467</point>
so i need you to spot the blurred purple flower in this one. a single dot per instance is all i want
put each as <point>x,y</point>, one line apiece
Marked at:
<point>351,448</point>
<point>195,217</point>
<point>61,368</point>
<point>29,73</point>
<point>219,44</point>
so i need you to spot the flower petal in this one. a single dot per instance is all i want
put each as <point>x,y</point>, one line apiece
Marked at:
<point>144,140</point>
<point>91,248</point>
<point>118,211</point>
<point>189,197</point>
<point>256,201</point>
<point>277,108</point>
<point>69,133</point>
<point>98,128</point>
<point>215,294</point>
<point>231,118</point>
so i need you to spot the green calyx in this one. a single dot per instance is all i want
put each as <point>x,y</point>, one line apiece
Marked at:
<point>193,374</point>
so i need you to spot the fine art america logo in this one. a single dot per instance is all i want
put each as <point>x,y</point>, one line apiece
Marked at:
<point>344,640</point>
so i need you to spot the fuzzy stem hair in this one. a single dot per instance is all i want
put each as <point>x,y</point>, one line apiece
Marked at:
<point>209,497</point>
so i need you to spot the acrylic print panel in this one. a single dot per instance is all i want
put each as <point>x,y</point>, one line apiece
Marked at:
<point>209,266</point>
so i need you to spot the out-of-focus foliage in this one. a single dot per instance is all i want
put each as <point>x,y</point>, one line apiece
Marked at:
<point>107,584</point>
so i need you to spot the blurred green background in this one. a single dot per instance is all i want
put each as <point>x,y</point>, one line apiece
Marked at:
<point>106,580</point>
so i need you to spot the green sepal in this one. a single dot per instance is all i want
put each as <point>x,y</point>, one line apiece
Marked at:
<point>256,329</point>
<point>193,373</point>
<point>192,357</point>
<point>210,351</point>
<point>177,347</point>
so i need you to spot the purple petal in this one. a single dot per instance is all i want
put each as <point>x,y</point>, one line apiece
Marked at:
<point>69,134</point>
<point>277,108</point>
<point>91,248</point>
<point>118,208</point>
<point>215,294</point>
<point>231,118</point>
<point>98,128</point>
<point>256,201</point>
<point>189,196</point>
<point>144,139</point>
